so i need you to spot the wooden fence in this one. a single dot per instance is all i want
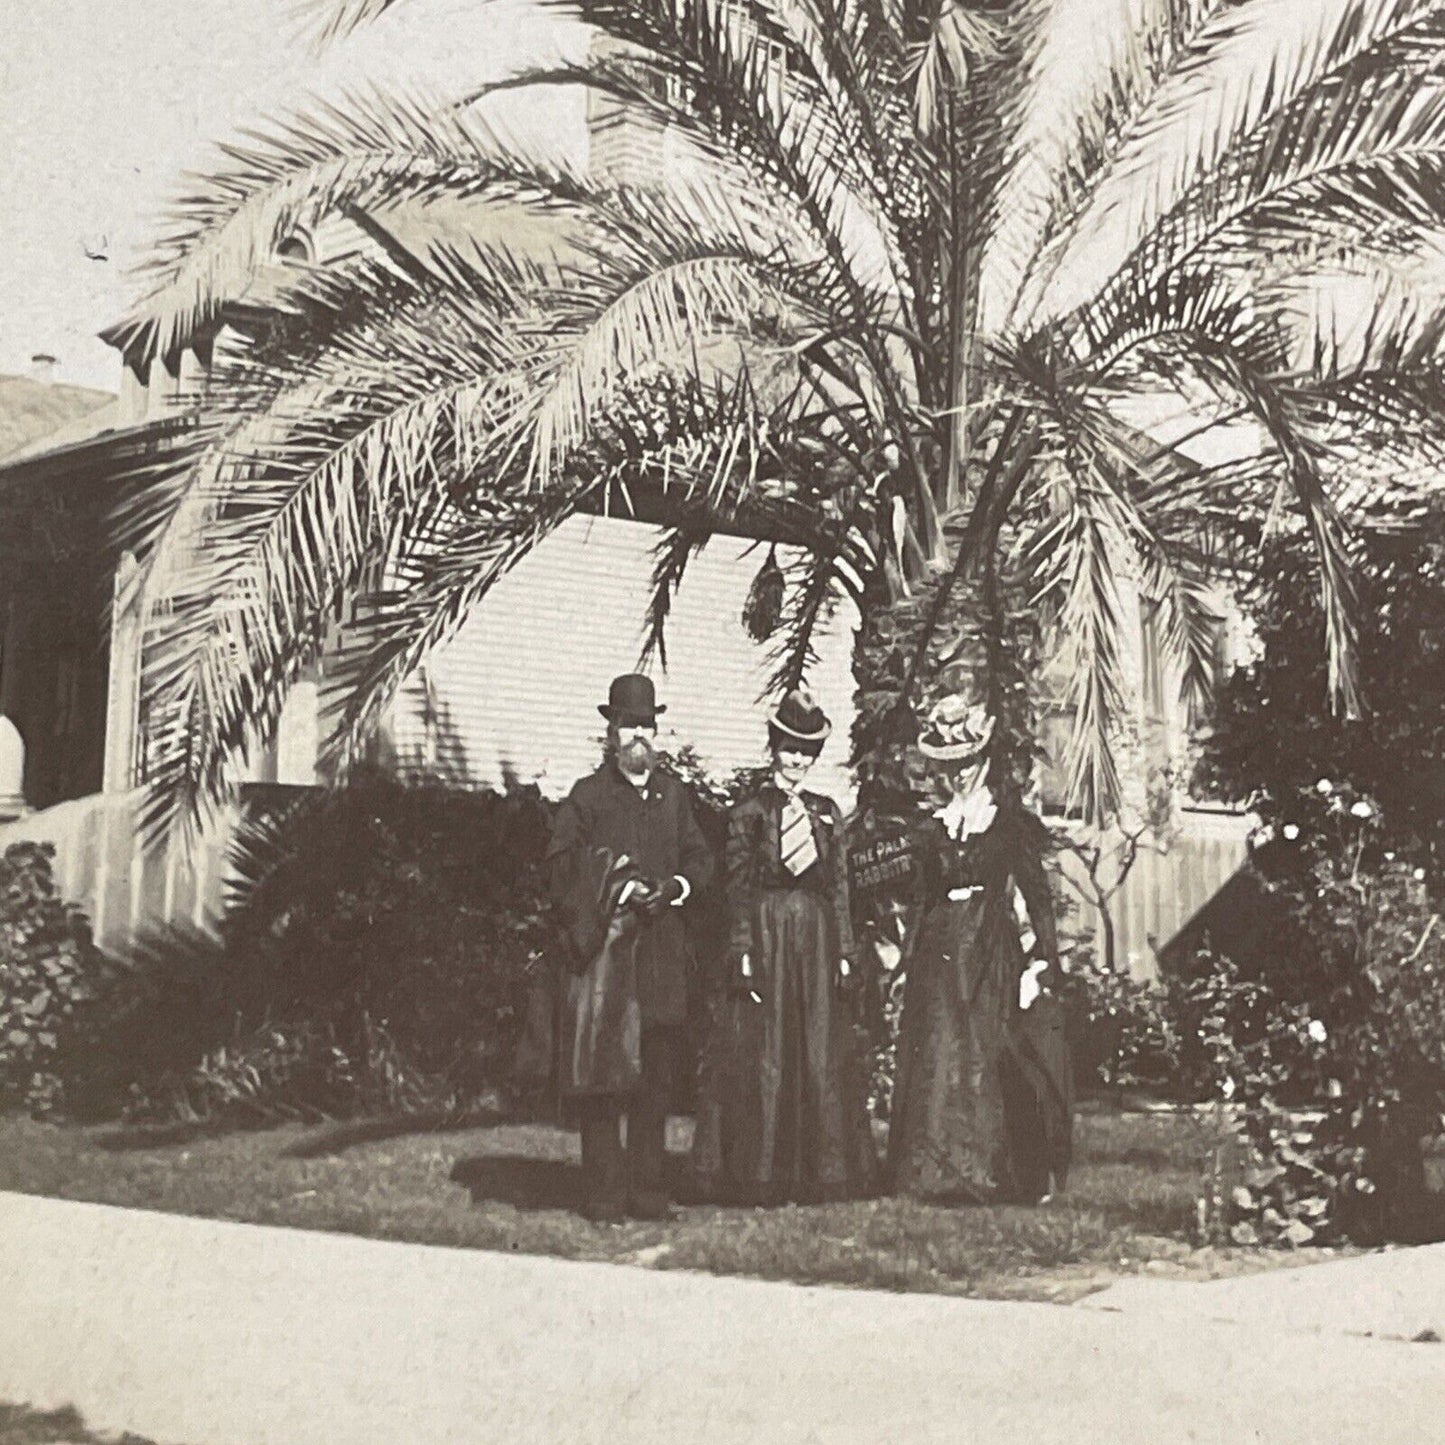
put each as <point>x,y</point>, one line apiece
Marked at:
<point>1164,890</point>
<point>123,887</point>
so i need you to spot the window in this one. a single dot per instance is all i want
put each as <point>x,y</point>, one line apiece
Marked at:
<point>775,59</point>
<point>743,38</point>
<point>1152,671</point>
<point>1056,727</point>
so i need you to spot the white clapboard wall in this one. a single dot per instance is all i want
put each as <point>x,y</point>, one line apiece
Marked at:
<point>514,693</point>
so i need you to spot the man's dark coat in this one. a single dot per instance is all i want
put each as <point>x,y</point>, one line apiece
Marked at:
<point>600,1048</point>
<point>659,833</point>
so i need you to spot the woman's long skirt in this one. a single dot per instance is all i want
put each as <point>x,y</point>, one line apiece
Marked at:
<point>783,1107</point>
<point>982,1104</point>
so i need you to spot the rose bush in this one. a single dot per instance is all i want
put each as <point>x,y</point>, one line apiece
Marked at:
<point>1324,1029</point>
<point>1126,1033</point>
<point>1332,1056</point>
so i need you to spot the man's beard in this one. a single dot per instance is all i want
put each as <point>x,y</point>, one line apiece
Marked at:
<point>636,758</point>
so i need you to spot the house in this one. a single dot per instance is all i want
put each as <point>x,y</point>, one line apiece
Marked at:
<point>511,696</point>
<point>53,646</point>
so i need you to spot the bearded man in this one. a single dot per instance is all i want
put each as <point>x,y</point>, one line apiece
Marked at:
<point>640,819</point>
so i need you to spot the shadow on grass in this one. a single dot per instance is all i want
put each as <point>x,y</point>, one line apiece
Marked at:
<point>20,1425</point>
<point>1139,1157</point>
<point>1425,1223</point>
<point>337,1138</point>
<point>530,1183</point>
<point>521,1182</point>
<point>132,1138</point>
<point>332,1137</point>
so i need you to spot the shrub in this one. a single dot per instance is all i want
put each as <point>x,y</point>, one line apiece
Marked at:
<point>48,969</point>
<point>378,956</point>
<point>1274,732</point>
<point>884,1024</point>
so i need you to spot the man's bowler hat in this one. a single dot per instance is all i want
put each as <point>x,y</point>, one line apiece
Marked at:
<point>631,701</point>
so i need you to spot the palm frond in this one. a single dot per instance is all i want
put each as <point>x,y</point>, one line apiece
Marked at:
<point>726,101</point>
<point>1278,413</point>
<point>856,61</point>
<point>742,84</point>
<point>439,574</point>
<point>957,41</point>
<point>1198,322</point>
<point>1123,324</point>
<point>1075,563</point>
<point>1363,166</point>
<point>815,586</point>
<point>175,496</point>
<point>369,150</point>
<point>1363,322</point>
<point>1150,516</point>
<point>1087,71</point>
<point>670,557</point>
<point>1249,63</point>
<point>702,454</point>
<point>324,22</point>
<point>622,328</point>
<point>287,512</point>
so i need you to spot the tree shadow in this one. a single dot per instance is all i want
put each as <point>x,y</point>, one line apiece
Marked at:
<point>136,1138</point>
<point>347,1135</point>
<point>448,761</point>
<point>332,1137</point>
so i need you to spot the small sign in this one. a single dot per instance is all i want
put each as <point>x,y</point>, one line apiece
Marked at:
<point>882,863</point>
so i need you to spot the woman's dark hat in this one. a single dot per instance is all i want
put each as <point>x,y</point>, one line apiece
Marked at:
<point>631,701</point>
<point>799,719</point>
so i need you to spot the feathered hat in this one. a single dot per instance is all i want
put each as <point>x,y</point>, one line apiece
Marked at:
<point>956,730</point>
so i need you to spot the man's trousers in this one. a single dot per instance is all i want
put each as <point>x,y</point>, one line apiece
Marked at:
<point>612,1175</point>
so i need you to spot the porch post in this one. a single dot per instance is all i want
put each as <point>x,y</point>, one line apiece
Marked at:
<point>123,689</point>
<point>12,745</point>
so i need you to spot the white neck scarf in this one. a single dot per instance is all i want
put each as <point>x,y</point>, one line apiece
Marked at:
<point>970,811</point>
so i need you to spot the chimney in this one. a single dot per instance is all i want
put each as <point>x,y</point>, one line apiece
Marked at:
<point>42,367</point>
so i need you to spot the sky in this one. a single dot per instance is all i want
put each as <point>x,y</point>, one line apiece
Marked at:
<point>105,103</point>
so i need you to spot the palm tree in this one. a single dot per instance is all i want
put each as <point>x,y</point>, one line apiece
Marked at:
<point>941,251</point>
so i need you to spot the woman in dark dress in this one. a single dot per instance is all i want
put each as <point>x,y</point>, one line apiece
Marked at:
<point>983,1103</point>
<point>782,1112</point>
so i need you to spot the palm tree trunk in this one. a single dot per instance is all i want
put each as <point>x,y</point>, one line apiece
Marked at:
<point>963,259</point>
<point>964,286</point>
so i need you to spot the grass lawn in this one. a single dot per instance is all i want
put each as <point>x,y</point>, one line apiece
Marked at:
<point>20,1425</point>
<point>504,1185</point>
